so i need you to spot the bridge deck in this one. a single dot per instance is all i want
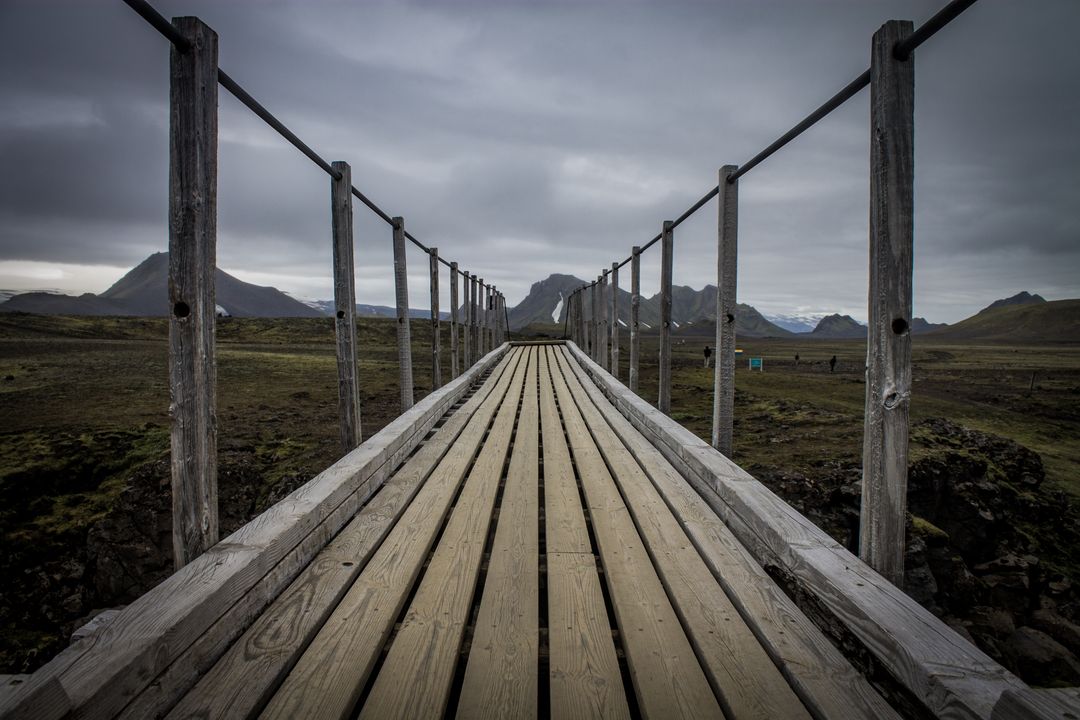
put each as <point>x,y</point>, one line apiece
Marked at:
<point>526,560</point>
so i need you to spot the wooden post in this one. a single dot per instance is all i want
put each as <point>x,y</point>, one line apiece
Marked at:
<point>481,307</point>
<point>635,315</point>
<point>888,361</point>
<point>345,307</point>
<point>492,294</point>
<point>193,135</point>
<point>466,335</point>
<point>436,326</point>
<point>666,247</point>
<point>404,335</point>
<point>583,320</point>
<point>727,251</point>
<point>596,320</point>
<point>614,308</point>
<point>474,329</point>
<point>453,320</point>
<point>604,332</point>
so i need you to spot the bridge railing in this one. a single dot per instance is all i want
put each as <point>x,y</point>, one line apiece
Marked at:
<point>193,134</point>
<point>592,310</point>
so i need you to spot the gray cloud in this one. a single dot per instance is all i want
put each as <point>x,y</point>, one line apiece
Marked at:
<point>524,139</point>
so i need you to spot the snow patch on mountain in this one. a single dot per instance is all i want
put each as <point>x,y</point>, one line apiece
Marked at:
<point>558,309</point>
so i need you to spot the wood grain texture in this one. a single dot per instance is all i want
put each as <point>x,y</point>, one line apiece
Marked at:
<point>668,680</point>
<point>613,311</point>
<point>727,275</point>
<point>104,672</point>
<point>240,683</point>
<point>481,316</point>
<point>466,330</point>
<point>1038,704</point>
<point>739,670</point>
<point>501,673</point>
<point>951,676</point>
<point>454,324</point>
<point>436,322</point>
<point>666,249</point>
<point>584,676</point>
<point>404,334</point>
<point>328,678</point>
<point>193,135</point>
<point>888,347</point>
<point>414,680</point>
<point>635,317</point>
<point>821,676</point>
<point>345,307</point>
<point>605,359</point>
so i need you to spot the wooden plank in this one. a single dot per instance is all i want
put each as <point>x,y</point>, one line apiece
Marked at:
<point>345,307</point>
<point>466,330</point>
<point>192,267</point>
<point>240,683</point>
<point>1038,704</point>
<point>44,701</point>
<point>414,680</point>
<point>727,275</point>
<point>436,323</point>
<point>329,676</point>
<point>500,676</point>
<point>481,316</point>
<point>739,670</point>
<point>102,673</point>
<point>668,680</point>
<point>613,310</point>
<point>666,250</point>
<point>605,360</point>
<point>883,517</point>
<point>952,677</point>
<point>584,676</point>
<point>821,676</point>
<point>454,327</point>
<point>404,333</point>
<point>635,316</point>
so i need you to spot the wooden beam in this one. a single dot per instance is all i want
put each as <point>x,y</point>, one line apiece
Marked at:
<point>604,359</point>
<point>635,315</point>
<point>888,349</point>
<point>466,330</point>
<point>614,310</point>
<point>453,320</point>
<point>193,135</point>
<point>482,317</point>
<point>436,370</point>
<point>345,307</point>
<point>727,253</point>
<point>666,250</point>
<point>404,334</point>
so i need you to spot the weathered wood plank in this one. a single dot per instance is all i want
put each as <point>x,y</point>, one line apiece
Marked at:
<point>668,680</point>
<point>193,134</point>
<point>466,330</point>
<point>404,333</point>
<point>635,316</point>
<point>822,677</point>
<point>345,307</point>
<point>1038,704</point>
<point>102,673</point>
<point>500,676</point>
<point>240,683</point>
<point>584,677</point>
<point>605,359</point>
<point>727,275</point>
<point>613,310</point>
<point>888,346</point>
<point>436,323</point>
<point>43,701</point>
<point>952,677</point>
<point>414,680</point>
<point>739,670</point>
<point>666,250</point>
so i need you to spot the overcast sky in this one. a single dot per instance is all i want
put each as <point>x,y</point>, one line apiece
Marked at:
<point>526,138</point>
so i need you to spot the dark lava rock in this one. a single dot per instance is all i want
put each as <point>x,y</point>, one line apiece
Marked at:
<point>1040,660</point>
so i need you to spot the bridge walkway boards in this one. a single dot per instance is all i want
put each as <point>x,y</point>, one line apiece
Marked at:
<point>535,557</point>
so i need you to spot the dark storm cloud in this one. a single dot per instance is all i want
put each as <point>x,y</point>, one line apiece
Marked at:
<point>524,139</point>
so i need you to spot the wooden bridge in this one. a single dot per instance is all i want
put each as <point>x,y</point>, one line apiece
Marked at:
<point>531,540</point>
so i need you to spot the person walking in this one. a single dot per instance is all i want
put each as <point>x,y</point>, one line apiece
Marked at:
<point>708,354</point>
<point>832,364</point>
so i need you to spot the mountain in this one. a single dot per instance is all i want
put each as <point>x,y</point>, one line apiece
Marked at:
<point>326,307</point>
<point>1029,322</point>
<point>749,323</point>
<point>545,303</point>
<point>835,327</point>
<point>795,323</point>
<point>1020,298</point>
<point>144,291</point>
<point>921,326</point>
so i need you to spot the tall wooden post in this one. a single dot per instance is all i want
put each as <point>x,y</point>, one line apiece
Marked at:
<point>614,310</point>
<point>474,329</point>
<point>604,322</point>
<point>666,248</point>
<point>453,320</point>
<point>888,351</point>
<point>193,145</point>
<point>596,303</point>
<point>436,325</point>
<point>345,307</point>
<point>481,306</point>
<point>635,315</point>
<point>492,294</point>
<point>727,251</point>
<point>583,320</point>
<point>404,335</point>
<point>466,328</point>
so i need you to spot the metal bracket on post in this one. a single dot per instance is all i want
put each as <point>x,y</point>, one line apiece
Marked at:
<point>888,348</point>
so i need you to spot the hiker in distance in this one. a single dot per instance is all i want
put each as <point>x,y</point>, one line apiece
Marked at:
<point>708,354</point>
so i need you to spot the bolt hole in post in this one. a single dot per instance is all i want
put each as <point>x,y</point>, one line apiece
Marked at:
<point>181,310</point>
<point>899,326</point>
<point>730,318</point>
<point>340,314</point>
